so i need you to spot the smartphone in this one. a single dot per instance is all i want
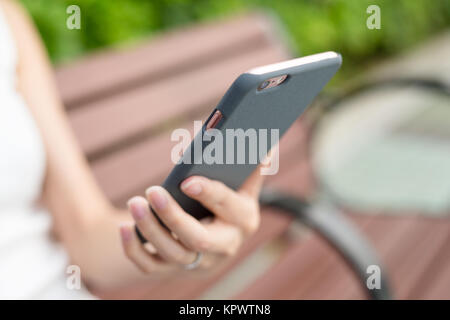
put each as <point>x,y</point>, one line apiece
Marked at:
<point>260,103</point>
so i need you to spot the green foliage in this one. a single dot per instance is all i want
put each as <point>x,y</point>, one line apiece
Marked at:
<point>313,25</point>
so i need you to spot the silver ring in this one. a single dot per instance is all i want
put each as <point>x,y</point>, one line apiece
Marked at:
<point>194,264</point>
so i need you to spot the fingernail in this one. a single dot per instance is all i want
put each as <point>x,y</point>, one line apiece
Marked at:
<point>191,187</point>
<point>137,211</point>
<point>157,199</point>
<point>125,233</point>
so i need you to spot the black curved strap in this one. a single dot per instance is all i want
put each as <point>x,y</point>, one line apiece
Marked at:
<point>338,231</point>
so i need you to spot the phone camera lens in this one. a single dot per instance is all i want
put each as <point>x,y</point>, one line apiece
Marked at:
<point>264,85</point>
<point>281,79</point>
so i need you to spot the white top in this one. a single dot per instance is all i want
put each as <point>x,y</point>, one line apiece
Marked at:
<point>31,264</point>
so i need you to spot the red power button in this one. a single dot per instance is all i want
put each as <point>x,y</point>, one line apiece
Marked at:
<point>214,120</point>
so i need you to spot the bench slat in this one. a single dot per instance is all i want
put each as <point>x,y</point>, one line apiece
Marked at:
<point>424,247</point>
<point>115,119</point>
<point>299,270</point>
<point>106,73</point>
<point>335,279</point>
<point>435,283</point>
<point>394,238</point>
<point>383,233</point>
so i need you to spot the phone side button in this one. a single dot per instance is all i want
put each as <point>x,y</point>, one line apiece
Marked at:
<point>214,120</point>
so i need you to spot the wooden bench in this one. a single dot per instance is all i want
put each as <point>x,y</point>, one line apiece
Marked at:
<point>123,106</point>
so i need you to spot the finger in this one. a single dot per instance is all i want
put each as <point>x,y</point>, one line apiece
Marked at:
<point>223,202</point>
<point>136,253</point>
<point>189,230</point>
<point>227,236</point>
<point>166,246</point>
<point>252,186</point>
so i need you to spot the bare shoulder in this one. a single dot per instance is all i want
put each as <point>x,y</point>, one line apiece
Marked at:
<point>20,23</point>
<point>14,12</point>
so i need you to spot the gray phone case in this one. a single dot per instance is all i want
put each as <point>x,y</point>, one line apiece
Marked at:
<point>244,106</point>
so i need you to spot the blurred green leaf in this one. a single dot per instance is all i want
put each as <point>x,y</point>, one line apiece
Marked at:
<point>314,25</point>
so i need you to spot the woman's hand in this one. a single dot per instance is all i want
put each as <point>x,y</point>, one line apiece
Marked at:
<point>236,216</point>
